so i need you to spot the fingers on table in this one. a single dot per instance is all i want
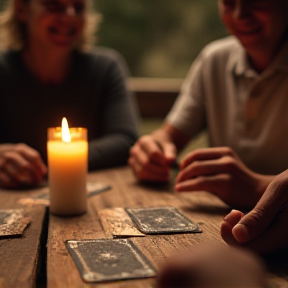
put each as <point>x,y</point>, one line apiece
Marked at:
<point>148,161</point>
<point>22,165</point>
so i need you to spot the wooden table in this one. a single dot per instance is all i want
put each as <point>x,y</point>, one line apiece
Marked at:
<point>19,257</point>
<point>202,208</point>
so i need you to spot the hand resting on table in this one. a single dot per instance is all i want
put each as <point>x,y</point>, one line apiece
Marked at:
<point>20,166</point>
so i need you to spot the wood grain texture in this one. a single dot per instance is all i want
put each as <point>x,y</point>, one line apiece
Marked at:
<point>202,208</point>
<point>19,256</point>
<point>117,223</point>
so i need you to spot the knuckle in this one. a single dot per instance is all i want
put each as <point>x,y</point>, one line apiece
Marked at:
<point>144,139</point>
<point>257,215</point>
<point>8,157</point>
<point>195,165</point>
<point>20,146</point>
<point>228,151</point>
<point>190,156</point>
<point>279,187</point>
<point>35,155</point>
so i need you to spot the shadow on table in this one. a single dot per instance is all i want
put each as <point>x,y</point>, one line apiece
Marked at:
<point>166,187</point>
<point>211,209</point>
<point>277,263</point>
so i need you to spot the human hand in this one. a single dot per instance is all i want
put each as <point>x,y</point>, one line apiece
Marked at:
<point>220,171</point>
<point>264,229</point>
<point>150,159</point>
<point>20,166</point>
<point>212,265</point>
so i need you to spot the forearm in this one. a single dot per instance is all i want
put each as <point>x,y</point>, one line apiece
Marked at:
<point>170,134</point>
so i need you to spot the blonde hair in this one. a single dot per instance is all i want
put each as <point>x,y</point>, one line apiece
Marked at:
<point>13,32</point>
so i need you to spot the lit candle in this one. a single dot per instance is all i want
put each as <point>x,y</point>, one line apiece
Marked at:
<point>67,163</point>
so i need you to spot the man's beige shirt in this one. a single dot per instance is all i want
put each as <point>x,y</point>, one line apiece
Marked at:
<point>239,108</point>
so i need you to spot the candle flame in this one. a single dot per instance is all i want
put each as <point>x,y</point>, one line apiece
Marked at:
<point>66,137</point>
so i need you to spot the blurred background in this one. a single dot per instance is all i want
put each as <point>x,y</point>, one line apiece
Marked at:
<point>159,38</point>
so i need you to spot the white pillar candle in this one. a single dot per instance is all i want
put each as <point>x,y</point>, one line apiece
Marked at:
<point>67,165</point>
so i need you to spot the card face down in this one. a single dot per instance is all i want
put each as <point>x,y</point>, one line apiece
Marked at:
<point>109,260</point>
<point>161,220</point>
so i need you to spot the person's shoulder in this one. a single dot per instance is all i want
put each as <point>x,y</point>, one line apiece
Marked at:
<point>218,54</point>
<point>101,54</point>
<point>221,48</point>
<point>105,58</point>
<point>106,53</point>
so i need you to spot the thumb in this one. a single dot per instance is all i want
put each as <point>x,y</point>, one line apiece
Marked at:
<point>169,151</point>
<point>251,225</point>
<point>257,221</point>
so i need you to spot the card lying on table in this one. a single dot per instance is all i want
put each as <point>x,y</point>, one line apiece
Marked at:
<point>13,222</point>
<point>109,260</point>
<point>161,220</point>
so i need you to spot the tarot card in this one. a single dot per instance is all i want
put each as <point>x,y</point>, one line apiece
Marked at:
<point>109,260</point>
<point>161,220</point>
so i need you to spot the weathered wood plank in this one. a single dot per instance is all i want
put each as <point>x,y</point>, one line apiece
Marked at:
<point>19,256</point>
<point>202,208</point>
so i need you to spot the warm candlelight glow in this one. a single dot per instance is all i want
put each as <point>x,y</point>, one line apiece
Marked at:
<point>66,136</point>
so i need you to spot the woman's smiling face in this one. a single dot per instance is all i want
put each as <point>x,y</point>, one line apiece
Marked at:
<point>258,24</point>
<point>53,23</point>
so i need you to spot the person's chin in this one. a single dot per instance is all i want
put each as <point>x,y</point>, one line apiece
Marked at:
<point>250,39</point>
<point>251,42</point>
<point>63,44</point>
